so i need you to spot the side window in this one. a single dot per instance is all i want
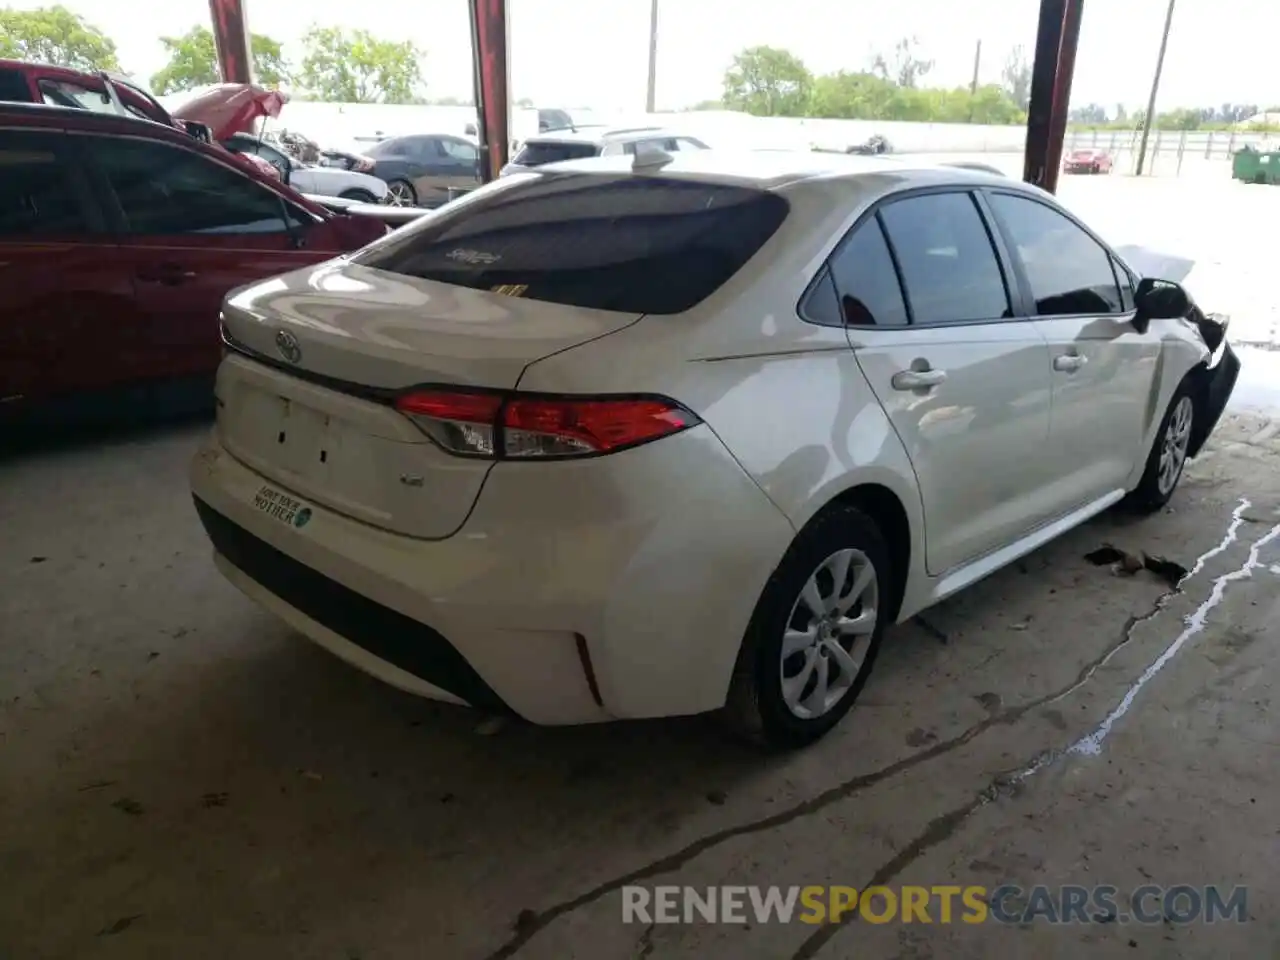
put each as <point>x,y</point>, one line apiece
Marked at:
<point>822,305</point>
<point>949,266</point>
<point>14,87</point>
<point>166,190</point>
<point>38,195</point>
<point>866,281</point>
<point>1069,272</point>
<point>461,151</point>
<point>425,149</point>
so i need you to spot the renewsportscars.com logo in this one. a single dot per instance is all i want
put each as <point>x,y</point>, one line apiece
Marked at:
<point>947,903</point>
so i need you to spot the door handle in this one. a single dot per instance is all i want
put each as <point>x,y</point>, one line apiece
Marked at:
<point>1069,362</point>
<point>918,379</point>
<point>170,274</point>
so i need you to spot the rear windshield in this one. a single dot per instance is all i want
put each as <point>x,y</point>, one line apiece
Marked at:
<point>540,152</point>
<point>626,243</point>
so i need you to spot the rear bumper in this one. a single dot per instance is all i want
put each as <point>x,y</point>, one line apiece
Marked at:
<point>617,599</point>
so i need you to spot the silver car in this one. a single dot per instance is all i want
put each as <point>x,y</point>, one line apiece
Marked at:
<point>583,142</point>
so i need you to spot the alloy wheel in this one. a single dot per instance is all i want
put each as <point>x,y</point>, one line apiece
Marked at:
<point>829,633</point>
<point>400,195</point>
<point>1174,445</point>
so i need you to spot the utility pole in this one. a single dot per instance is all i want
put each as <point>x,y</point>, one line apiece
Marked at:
<point>1155,88</point>
<point>651,97</point>
<point>973,87</point>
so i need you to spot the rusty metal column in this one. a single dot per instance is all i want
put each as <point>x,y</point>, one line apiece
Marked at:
<point>491,52</point>
<point>1051,74</point>
<point>231,39</point>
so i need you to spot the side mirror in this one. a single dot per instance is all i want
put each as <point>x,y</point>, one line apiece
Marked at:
<point>1159,300</point>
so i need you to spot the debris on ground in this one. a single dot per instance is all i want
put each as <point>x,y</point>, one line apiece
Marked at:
<point>491,726</point>
<point>119,926</point>
<point>131,807</point>
<point>1124,563</point>
<point>1172,573</point>
<point>311,775</point>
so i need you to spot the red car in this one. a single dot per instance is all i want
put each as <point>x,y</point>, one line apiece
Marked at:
<point>1088,161</point>
<point>119,238</point>
<point>219,112</point>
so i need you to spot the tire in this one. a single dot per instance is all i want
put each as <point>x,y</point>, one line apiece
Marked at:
<point>402,193</point>
<point>1177,427</point>
<point>758,707</point>
<point>362,196</point>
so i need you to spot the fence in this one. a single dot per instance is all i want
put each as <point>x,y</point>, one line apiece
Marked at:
<point>1170,153</point>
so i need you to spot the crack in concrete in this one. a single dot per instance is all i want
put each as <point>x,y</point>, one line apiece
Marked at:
<point>532,923</point>
<point>943,827</point>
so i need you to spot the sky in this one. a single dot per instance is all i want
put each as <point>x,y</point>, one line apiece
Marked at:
<point>594,53</point>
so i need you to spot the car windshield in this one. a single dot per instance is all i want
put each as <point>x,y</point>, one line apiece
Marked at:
<point>538,152</point>
<point>626,243</point>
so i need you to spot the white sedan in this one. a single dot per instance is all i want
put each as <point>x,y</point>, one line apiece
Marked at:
<point>596,442</point>
<point>322,181</point>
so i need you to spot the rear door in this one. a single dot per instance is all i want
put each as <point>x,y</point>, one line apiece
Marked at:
<point>922,287</point>
<point>1103,369</point>
<point>66,318</point>
<point>190,228</point>
<point>462,160</point>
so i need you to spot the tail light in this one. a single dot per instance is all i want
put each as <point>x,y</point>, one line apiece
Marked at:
<point>516,426</point>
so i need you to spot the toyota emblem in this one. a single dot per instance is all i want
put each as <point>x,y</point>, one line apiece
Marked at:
<point>288,346</point>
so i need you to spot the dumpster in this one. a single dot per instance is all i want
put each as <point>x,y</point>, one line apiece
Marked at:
<point>1256,166</point>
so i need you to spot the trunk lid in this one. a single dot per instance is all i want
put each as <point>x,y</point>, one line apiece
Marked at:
<point>338,341</point>
<point>386,331</point>
<point>229,108</point>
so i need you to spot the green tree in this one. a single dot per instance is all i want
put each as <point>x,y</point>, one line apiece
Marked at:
<point>354,66</point>
<point>768,82</point>
<point>193,62</point>
<point>852,96</point>
<point>1015,77</point>
<point>55,35</point>
<point>904,66</point>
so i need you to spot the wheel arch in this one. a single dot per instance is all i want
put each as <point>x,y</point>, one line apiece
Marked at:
<point>886,508</point>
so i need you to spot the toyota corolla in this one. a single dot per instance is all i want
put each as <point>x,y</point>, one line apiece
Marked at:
<point>605,441</point>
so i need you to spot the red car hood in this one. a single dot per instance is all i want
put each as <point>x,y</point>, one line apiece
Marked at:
<point>229,108</point>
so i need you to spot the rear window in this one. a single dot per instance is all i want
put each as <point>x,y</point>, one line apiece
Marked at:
<point>624,243</point>
<point>537,153</point>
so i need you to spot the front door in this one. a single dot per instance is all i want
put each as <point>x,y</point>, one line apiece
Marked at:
<point>965,384</point>
<point>1102,368</point>
<point>190,230</point>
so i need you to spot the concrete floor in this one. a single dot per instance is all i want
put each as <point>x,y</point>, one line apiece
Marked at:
<point>181,776</point>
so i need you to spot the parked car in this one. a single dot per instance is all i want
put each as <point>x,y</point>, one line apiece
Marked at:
<point>425,170</point>
<point>1090,160</point>
<point>213,114</point>
<point>325,181</point>
<point>117,246</point>
<point>577,143</point>
<point>598,443</point>
<point>345,160</point>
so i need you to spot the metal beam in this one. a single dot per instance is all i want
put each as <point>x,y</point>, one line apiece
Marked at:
<point>491,52</point>
<point>231,40</point>
<point>1057,38</point>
